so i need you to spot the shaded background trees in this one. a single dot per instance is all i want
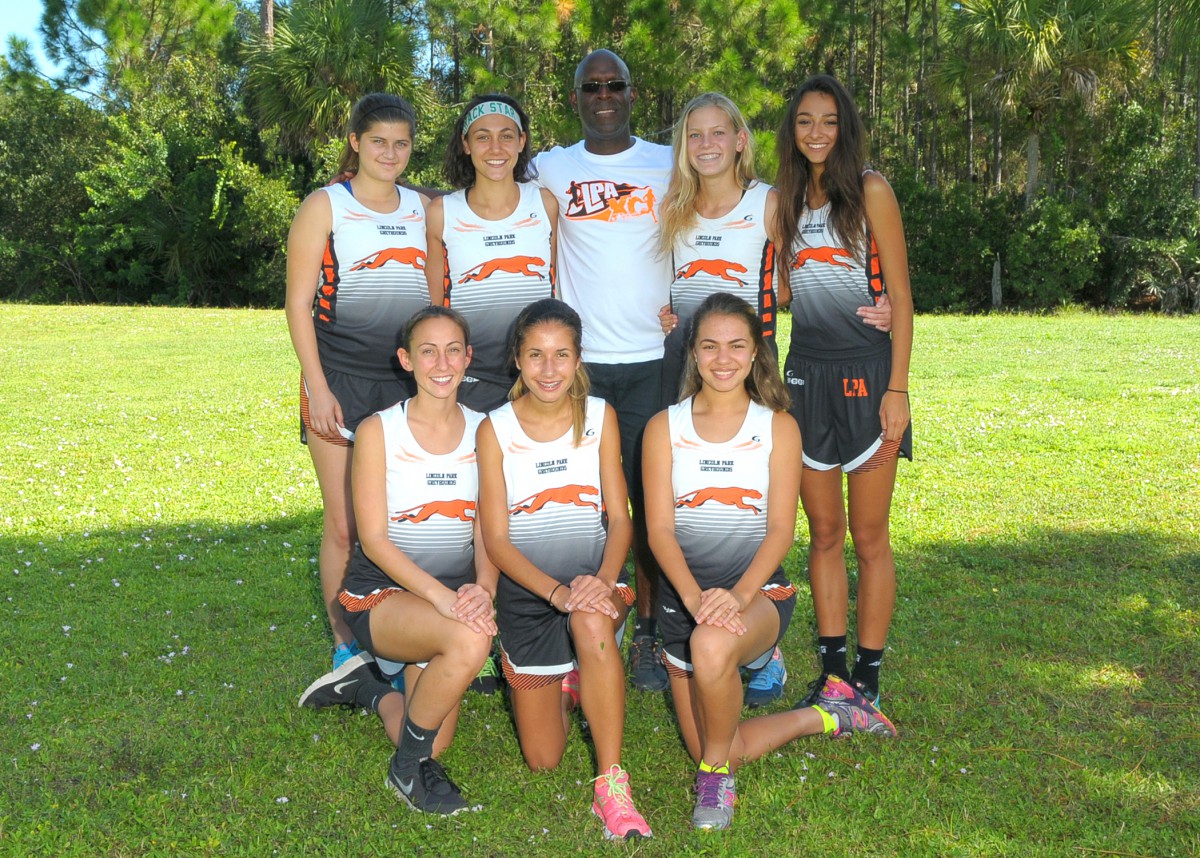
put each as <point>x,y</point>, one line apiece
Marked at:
<point>1059,139</point>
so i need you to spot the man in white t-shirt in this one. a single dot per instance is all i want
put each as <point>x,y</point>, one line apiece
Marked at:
<point>609,187</point>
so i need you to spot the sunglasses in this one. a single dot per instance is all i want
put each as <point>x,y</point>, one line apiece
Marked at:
<point>592,87</point>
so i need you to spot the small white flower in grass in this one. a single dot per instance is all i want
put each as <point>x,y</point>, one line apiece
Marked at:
<point>62,679</point>
<point>36,746</point>
<point>858,765</point>
<point>803,778</point>
<point>116,583</point>
<point>70,665</point>
<point>66,630</point>
<point>935,747</point>
<point>283,799</point>
<point>810,755</point>
<point>962,771</point>
<point>178,692</point>
<point>238,582</point>
<point>831,775</point>
<point>272,628</point>
<point>316,737</point>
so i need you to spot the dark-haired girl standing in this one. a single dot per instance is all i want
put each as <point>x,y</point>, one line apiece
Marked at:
<point>849,381</point>
<point>355,272</point>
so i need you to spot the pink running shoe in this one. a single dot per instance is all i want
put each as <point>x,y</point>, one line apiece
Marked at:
<point>614,805</point>
<point>854,712</point>
<point>570,686</point>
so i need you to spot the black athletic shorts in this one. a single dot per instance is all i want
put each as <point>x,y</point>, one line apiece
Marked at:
<point>837,406</point>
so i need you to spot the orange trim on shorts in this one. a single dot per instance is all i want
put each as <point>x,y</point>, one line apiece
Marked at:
<point>887,451</point>
<point>627,595</point>
<point>526,681</point>
<point>673,669</point>
<point>779,592</point>
<point>337,440</point>
<point>351,602</point>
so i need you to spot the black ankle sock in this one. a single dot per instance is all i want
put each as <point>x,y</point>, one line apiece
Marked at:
<point>368,694</point>
<point>866,668</point>
<point>644,627</point>
<point>833,655</point>
<point>416,743</point>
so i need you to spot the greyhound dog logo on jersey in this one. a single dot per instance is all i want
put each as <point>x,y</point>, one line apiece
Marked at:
<point>828,255</point>
<point>717,268</point>
<point>731,496</point>
<point>572,495</point>
<point>522,265</point>
<point>609,201</point>
<point>458,509</point>
<point>402,255</point>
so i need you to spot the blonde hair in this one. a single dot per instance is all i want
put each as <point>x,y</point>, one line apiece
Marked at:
<point>679,205</point>
<point>554,312</point>
<point>763,383</point>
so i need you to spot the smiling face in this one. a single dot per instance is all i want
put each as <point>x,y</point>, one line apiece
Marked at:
<point>439,357</point>
<point>548,360</point>
<point>713,142</point>
<point>724,351</point>
<point>816,126</point>
<point>604,113</point>
<point>494,144</point>
<point>383,150</point>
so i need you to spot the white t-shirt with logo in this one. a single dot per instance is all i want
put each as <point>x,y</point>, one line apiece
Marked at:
<point>609,266</point>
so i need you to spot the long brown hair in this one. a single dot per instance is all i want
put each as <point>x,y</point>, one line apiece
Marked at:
<point>457,166</point>
<point>841,179</point>
<point>679,205</point>
<point>370,109</point>
<point>763,383</point>
<point>554,312</point>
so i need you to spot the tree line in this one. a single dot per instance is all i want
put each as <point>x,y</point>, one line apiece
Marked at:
<point>1054,144</point>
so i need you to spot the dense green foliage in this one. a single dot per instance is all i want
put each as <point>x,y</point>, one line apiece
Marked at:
<point>162,163</point>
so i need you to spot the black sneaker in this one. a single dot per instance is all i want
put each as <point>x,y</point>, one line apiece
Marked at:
<point>646,666</point>
<point>813,694</point>
<point>339,687</point>
<point>425,787</point>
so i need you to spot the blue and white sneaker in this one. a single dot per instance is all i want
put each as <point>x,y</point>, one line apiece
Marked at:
<point>342,653</point>
<point>766,684</point>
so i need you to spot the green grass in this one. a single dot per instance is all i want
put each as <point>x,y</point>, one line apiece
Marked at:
<point>158,534</point>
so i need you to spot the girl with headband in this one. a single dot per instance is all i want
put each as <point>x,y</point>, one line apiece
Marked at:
<point>491,242</point>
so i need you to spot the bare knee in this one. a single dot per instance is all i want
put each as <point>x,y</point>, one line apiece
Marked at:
<point>713,652</point>
<point>541,759</point>
<point>827,533</point>
<point>593,633</point>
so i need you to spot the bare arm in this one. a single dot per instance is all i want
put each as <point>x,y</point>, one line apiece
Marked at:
<point>783,292</point>
<point>783,494</point>
<point>369,480</point>
<point>660,511</point>
<point>551,205</point>
<point>435,258</point>
<point>492,513</point>
<point>307,240</point>
<point>883,215</point>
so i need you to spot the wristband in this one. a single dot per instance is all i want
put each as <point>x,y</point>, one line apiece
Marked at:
<point>552,592</point>
<point>894,390</point>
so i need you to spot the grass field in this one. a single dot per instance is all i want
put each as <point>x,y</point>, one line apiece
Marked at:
<point>158,533</point>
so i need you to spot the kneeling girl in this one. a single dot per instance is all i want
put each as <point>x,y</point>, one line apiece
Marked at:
<point>721,493</point>
<point>554,512</point>
<point>419,588</point>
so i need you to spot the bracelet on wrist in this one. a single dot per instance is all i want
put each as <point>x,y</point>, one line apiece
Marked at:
<point>896,390</point>
<point>552,592</point>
